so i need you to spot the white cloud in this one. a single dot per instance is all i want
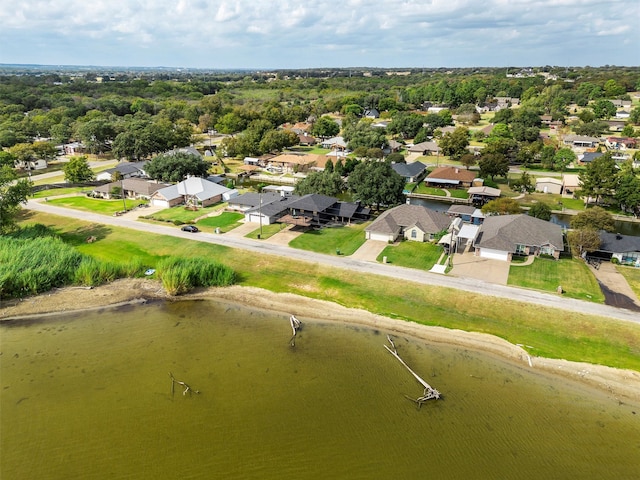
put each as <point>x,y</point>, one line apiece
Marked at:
<point>294,33</point>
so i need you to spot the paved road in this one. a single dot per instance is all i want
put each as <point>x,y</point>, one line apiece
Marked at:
<point>400,273</point>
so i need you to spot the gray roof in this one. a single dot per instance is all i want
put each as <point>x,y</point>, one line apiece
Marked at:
<point>408,170</point>
<point>461,210</point>
<point>141,187</point>
<point>198,187</point>
<point>504,232</point>
<point>403,216</point>
<point>314,202</point>
<point>253,199</point>
<point>617,243</point>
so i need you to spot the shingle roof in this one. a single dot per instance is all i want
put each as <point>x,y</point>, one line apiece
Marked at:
<point>504,232</point>
<point>402,216</point>
<point>452,173</point>
<point>408,169</point>
<point>617,243</point>
<point>314,202</point>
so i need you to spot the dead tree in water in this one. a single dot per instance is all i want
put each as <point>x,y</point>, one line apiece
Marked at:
<point>429,392</point>
<point>295,326</point>
<point>187,388</point>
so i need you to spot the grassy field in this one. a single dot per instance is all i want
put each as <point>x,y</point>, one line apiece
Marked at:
<point>95,205</point>
<point>547,274</point>
<point>346,240</point>
<point>458,193</point>
<point>555,201</point>
<point>412,254</point>
<point>267,231</point>
<point>422,188</point>
<point>226,221</point>
<point>552,333</point>
<point>53,192</point>
<point>632,275</point>
<point>185,215</point>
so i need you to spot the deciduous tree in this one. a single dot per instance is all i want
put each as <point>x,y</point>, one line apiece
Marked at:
<point>376,183</point>
<point>594,218</point>
<point>176,166</point>
<point>502,206</point>
<point>77,170</point>
<point>13,192</point>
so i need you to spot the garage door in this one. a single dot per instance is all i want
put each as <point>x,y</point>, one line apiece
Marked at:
<point>382,237</point>
<point>156,202</point>
<point>494,254</point>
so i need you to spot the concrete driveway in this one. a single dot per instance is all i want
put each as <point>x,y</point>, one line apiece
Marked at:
<point>369,250</point>
<point>469,266</point>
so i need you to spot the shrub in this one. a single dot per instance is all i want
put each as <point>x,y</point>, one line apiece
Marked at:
<point>180,275</point>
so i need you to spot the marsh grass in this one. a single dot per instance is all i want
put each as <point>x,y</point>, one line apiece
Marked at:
<point>180,275</point>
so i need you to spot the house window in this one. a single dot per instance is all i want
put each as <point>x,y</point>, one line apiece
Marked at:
<point>414,234</point>
<point>546,250</point>
<point>520,249</point>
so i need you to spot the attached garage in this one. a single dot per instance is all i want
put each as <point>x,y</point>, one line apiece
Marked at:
<point>494,254</point>
<point>382,237</point>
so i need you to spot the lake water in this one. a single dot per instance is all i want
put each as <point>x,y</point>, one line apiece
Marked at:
<point>89,396</point>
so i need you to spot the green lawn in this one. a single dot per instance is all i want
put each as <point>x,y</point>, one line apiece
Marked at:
<point>554,333</point>
<point>555,201</point>
<point>267,231</point>
<point>96,205</point>
<point>412,254</point>
<point>632,275</point>
<point>226,221</point>
<point>345,239</point>
<point>181,214</point>
<point>422,188</point>
<point>53,192</point>
<point>458,193</point>
<point>546,274</point>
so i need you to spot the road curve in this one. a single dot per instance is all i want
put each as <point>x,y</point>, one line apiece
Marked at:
<point>401,273</point>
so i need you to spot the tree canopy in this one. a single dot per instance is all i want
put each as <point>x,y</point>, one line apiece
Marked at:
<point>176,166</point>
<point>376,184</point>
<point>502,206</point>
<point>594,218</point>
<point>13,192</point>
<point>77,170</point>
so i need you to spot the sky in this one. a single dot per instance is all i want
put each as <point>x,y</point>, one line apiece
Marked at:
<point>288,34</point>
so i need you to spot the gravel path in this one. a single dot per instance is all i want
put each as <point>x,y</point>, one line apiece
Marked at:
<point>400,273</point>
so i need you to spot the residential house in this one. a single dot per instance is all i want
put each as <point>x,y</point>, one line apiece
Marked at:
<point>311,210</point>
<point>425,148</point>
<point>371,113</point>
<point>451,177</point>
<point>623,114</point>
<point>194,191</point>
<point>29,165</point>
<point>570,184</point>
<point>412,222</point>
<point>306,140</point>
<point>466,213</point>
<point>129,187</point>
<point>392,147</point>
<point>334,143</point>
<point>123,170</point>
<point>616,125</point>
<point>548,185</point>
<point>621,103</point>
<point>624,248</point>
<point>411,172</point>
<point>588,157</point>
<point>621,143</point>
<point>581,141</point>
<point>291,163</point>
<point>502,236</point>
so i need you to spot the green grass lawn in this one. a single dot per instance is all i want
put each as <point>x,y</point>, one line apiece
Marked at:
<point>53,192</point>
<point>458,193</point>
<point>632,275</point>
<point>226,222</point>
<point>345,239</point>
<point>554,333</point>
<point>573,203</point>
<point>412,254</point>
<point>267,231</point>
<point>96,205</point>
<point>547,274</point>
<point>422,188</point>
<point>181,214</point>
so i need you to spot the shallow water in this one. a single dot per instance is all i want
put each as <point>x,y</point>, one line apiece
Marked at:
<point>89,396</point>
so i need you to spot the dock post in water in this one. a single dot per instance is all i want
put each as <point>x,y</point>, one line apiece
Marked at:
<point>295,326</point>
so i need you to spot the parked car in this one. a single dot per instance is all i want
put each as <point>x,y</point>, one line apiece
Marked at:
<point>189,228</point>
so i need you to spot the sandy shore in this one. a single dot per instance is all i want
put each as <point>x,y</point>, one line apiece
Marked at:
<point>623,385</point>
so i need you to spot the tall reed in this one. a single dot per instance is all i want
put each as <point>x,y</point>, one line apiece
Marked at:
<point>180,275</point>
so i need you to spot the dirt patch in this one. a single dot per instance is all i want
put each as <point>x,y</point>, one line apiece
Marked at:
<point>623,385</point>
